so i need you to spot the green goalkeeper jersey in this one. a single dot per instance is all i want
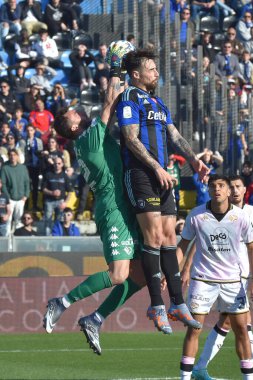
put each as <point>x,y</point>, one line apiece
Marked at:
<point>99,160</point>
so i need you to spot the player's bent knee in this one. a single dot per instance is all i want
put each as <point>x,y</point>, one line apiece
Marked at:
<point>118,278</point>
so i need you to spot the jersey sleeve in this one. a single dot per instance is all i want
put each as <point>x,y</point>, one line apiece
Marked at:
<point>247,228</point>
<point>128,111</point>
<point>188,232</point>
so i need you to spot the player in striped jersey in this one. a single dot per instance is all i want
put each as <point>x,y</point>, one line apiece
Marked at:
<point>219,332</point>
<point>219,227</point>
<point>146,129</point>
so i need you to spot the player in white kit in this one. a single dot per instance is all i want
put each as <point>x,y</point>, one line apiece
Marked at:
<point>218,227</point>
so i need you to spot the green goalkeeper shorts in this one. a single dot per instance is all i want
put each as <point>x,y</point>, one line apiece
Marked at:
<point>121,240</point>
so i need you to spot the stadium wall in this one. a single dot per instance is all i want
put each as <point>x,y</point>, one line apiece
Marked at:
<point>28,281</point>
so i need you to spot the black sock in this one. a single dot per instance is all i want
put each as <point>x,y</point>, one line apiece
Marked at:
<point>150,259</point>
<point>170,268</point>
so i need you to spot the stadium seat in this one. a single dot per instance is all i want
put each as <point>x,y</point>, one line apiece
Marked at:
<point>5,57</point>
<point>63,41</point>
<point>90,96</point>
<point>228,22</point>
<point>60,77</point>
<point>217,41</point>
<point>30,72</point>
<point>83,38</point>
<point>65,59</point>
<point>209,24</point>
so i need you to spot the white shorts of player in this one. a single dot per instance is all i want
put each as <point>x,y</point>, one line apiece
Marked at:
<point>230,297</point>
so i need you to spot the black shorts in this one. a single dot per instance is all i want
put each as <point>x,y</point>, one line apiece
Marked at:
<point>146,194</point>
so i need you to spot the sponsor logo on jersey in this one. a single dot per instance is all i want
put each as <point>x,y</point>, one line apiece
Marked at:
<point>194,305</point>
<point>113,237</point>
<point>145,101</point>
<point>140,203</point>
<point>114,229</point>
<point>127,242</point>
<point>153,201</point>
<point>219,240</point>
<point>128,250</point>
<point>127,112</point>
<point>152,115</point>
<point>115,252</point>
<point>233,218</point>
<point>114,244</point>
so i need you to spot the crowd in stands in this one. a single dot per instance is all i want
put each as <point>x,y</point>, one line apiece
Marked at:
<point>36,79</point>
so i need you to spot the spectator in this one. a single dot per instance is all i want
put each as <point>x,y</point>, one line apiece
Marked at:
<point>31,16</point>
<point>174,167</point>
<point>55,187</point>
<point>102,69</point>
<point>226,63</point>
<point>247,173</point>
<point>5,130</point>
<point>8,101</point>
<point>48,155</point>
<point>244,31</point>
<point>18,82</point>
<point>57,100</point>
<point>203,8</point>
<point>46,48</point>
<point>60,17</point>
<point>237,46</point>
<point>27,229</point>
<point>41,119</point>
<point>16,185</point>
<point>80,73</point>
<point>246,67</point>
<point>10,13</point>
<point>17,144</point>
<point>207,44</point>
<point>211,160</point>
<point>65,227</point>
<point>18,124</point>
<point>5,211</point>
<point>33,148</point>
<point>131,38</point>
<point>41,80</point>
<point>201,190</point>
<point>186,24</point>
<point>23,47</point>
<point>30,98</point>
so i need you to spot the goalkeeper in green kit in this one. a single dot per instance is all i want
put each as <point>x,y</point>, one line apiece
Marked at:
<point>99,160</point>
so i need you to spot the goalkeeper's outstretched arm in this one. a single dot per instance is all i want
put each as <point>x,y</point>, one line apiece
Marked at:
<point>113,91</point>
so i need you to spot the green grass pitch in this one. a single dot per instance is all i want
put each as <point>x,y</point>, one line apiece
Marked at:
<point>124,356</point>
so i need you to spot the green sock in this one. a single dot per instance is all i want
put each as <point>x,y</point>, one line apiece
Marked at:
<point>91,285</point>
<point>118,296</point>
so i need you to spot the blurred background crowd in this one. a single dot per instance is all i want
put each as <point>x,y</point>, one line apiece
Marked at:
<point>52,54</point>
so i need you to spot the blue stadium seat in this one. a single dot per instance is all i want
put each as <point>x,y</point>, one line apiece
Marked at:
<point>30,72</point>
<point>60,77</point>
<point>5,57</point>
<point>65,59</point>
<point>44,4</point>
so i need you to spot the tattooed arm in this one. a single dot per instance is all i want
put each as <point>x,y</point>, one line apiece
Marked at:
<point>130,133</point>
<point>113,91</point>
<point>184,148</point>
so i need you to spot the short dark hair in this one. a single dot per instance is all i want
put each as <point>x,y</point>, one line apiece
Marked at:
<point>216,177</point>
<point>68,209</point>
<point>237,177</point>
<point>134,59</point>
<point>62,124</point>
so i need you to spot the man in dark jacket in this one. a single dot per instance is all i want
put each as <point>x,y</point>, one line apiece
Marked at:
<point>10,13</point>
<point>60,17</point>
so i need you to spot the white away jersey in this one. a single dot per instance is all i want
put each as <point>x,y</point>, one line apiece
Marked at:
<point>218,243</point>
<point>244,258</point>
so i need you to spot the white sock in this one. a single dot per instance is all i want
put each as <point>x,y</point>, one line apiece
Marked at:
<point>185,375</point>
<point>65,301</point>
<point>212,346</point>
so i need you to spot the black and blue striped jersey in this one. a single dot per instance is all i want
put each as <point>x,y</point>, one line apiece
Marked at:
<point>137,106</point>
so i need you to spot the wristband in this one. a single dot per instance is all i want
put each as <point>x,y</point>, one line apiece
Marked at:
<point>115,72</point>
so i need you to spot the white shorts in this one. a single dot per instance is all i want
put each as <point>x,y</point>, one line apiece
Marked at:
<point>231,297</point>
